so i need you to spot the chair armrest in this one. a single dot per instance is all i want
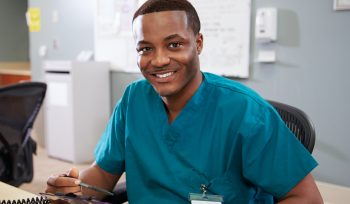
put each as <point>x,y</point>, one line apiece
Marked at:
<point>120,194</point>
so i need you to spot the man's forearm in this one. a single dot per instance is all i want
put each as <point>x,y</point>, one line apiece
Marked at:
<point>96,176</point>
<point>305,191</point>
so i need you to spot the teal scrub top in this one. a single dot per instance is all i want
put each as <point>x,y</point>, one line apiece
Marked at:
<point>227,138</point>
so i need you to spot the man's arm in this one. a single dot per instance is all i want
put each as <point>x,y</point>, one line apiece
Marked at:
<point>93,175</point>
<point>305,191</point>
<point>96,176</point>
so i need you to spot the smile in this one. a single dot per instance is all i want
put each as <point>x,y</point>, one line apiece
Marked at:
<point>164,75</point>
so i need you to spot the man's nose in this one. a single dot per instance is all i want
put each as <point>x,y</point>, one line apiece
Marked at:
<point>160,59</point>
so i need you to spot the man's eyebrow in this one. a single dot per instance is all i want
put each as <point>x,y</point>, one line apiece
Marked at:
<point>143,42</point>
<point>170,37</point>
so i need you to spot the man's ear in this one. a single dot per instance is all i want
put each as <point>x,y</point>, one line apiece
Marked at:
<point>199,43</point>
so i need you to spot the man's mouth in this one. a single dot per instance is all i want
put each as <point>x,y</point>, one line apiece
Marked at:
<point>163,75</point>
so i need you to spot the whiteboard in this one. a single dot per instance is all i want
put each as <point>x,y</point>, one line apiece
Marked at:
<point>113,35</point>
<point>225,28</point>
<point>226,32</point>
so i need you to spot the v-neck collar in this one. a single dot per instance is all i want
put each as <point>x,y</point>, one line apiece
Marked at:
<point>192,105</point>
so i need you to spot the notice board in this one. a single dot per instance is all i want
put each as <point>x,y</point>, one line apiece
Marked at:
<point>225,27</point>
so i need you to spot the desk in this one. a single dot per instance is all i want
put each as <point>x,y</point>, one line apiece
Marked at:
<point>13,72</point>
<point>334,194</point>
<point>8,192</point>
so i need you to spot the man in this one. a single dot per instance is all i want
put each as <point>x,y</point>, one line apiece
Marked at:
<point>182,132</point>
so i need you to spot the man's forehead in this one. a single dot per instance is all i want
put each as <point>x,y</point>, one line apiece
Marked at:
<point>161,14</point>
<point>158,21</point>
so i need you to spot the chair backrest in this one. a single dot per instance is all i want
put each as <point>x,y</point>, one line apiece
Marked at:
<point>19,106</point>
<point>298,122</point>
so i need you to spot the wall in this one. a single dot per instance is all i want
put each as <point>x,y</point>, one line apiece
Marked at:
<point>313,51</point>
<point>14,41</point>
<point>312,69</point>
<point>64,39</point>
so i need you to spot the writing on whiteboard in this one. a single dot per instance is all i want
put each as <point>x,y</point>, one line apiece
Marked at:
<point>226,31</point>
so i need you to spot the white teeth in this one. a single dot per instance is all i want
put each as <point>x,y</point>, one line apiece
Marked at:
<point>164,75</point>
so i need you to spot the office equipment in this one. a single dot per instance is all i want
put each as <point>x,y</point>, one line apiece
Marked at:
<point>266,24</point>
<point>13,195</point>
<point>266,34</point>
<point>266,56</point>
<point>19,106</point>
<point>341,5</point>
<point>77,108</point>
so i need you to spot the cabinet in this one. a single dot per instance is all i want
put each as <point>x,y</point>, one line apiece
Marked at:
<point>77,108</point>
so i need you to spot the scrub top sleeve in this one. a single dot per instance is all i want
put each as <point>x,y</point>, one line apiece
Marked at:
<point>110,150</point>
<point>273,158</point>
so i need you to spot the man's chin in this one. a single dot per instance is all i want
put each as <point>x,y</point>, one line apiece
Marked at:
<point>164,92</point>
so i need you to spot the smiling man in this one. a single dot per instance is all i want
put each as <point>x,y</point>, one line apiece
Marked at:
<point>181,132</point>
<point>168,52</point>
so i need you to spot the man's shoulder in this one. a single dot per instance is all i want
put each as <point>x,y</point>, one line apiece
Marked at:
<point>139,82</point>
<point>229,86</point>
<point>139,85</point>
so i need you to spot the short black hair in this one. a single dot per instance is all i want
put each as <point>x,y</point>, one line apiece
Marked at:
<point>152,6</point>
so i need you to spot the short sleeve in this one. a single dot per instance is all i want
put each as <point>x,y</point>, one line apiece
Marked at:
<point>273,158</point>
<point>110,150</point>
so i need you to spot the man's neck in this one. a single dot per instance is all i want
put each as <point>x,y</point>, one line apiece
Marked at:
<point>175,103</point>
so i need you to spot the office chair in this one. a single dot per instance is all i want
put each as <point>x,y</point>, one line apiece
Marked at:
<point>296,120</point>
<point>19,106</point>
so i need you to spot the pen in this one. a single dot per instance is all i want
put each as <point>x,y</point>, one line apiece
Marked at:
<point>95,188</point>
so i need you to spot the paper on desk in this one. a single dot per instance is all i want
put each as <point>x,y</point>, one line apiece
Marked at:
<point>8,192</point>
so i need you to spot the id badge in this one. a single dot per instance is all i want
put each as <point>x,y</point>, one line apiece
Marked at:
<point>205,199</point>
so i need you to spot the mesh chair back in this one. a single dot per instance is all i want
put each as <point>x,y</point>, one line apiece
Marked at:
<point>19,106</point>
<point>298,122</point>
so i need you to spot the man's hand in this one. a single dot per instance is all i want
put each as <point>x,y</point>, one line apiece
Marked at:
<point>64,183</point>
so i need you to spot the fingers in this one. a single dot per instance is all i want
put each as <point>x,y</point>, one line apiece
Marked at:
<point>73,172</point>
<point>65,190</point>
<point>64,183</point>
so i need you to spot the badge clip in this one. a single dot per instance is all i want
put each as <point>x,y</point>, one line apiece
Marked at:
<point>205,198</point>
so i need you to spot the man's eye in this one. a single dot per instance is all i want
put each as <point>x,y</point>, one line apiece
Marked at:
<point>174,45</point>
<point>143,50</point>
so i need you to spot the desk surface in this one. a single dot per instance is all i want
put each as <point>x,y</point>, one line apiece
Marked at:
<point>8,192</point>
<point>15,68</point>
<point>334,194</point>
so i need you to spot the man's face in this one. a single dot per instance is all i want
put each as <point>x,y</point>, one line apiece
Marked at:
<point>168,52</point>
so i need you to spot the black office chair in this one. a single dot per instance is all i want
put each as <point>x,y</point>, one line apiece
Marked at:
<point>296,120</point>
<point>19,106</point>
